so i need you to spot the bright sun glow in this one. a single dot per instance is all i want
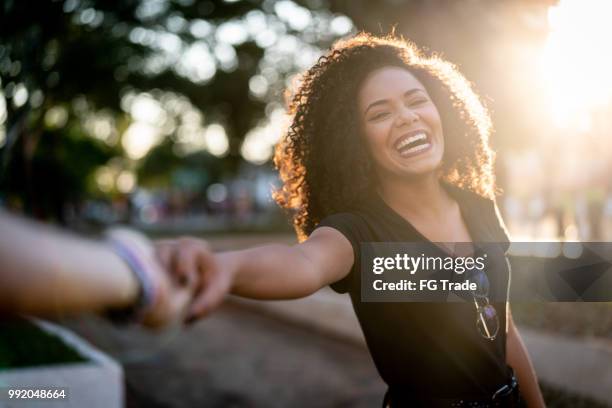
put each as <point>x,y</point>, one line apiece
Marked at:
<point>577,61</point>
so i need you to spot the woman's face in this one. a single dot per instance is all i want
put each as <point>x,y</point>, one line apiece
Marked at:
<point>401,124</point>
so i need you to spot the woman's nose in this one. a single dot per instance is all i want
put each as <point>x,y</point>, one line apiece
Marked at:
<point>406,116</point>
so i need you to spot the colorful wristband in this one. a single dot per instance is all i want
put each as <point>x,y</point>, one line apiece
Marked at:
<point>132,249</point>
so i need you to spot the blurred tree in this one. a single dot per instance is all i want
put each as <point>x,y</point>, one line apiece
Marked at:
<point>122,76</point>
<point>159,166</point>
<point>56,171</point>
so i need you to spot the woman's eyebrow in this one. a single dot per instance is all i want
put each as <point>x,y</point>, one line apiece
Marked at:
<point>385,101</point>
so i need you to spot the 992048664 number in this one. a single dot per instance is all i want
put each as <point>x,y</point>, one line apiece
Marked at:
<point>36,393</point>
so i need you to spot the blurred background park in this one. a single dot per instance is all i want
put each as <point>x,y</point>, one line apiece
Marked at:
<point>163,114</point>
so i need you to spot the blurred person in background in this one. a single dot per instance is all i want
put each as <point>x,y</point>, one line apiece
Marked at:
<point>385,144</point>
<point>50,273</point>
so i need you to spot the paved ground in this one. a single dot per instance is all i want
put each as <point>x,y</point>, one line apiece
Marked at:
<point>252,357</point>
<point>241,358</point>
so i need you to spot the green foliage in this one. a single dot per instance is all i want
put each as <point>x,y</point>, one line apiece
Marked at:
<point>54,168</point>
<point>24,344</point>
<point>160,167</point>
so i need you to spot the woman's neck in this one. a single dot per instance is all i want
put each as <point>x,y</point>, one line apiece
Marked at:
<point>424,197</point>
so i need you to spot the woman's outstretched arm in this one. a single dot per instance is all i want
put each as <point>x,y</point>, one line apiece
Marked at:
<point>274,271</point>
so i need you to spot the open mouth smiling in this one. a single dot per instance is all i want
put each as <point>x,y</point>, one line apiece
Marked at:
<point>412,143</point>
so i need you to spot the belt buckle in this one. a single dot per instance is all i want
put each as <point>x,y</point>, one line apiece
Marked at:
<point>505,389</point>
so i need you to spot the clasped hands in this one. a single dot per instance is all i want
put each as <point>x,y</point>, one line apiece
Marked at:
<point>191,264</point>
<point>179,279</point>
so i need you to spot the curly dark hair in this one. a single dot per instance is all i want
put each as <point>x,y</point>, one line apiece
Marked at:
<point>326,169</point>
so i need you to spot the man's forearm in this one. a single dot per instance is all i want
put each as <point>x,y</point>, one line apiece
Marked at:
<point>47,271</point>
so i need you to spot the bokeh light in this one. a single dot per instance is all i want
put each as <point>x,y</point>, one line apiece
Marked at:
<point>139,138</point>
<point>258,145</point>
<point>216,140</point>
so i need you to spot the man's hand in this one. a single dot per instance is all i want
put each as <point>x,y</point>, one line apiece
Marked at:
<point>166,299</point>
<point>172,303</point>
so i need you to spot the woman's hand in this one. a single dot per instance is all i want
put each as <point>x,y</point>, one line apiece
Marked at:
<point>191,262</point>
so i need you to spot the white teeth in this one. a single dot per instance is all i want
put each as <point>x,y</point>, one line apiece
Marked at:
<point>416,149</point>
<point>411,139</point>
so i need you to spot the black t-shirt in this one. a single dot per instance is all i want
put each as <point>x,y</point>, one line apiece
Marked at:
<point>428,349</point>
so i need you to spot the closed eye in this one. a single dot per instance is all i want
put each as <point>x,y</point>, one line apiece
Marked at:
<point>379,115</point>
<point>416,102</point>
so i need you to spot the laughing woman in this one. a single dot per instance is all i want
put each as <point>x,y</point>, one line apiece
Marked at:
<point>385,144</point>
